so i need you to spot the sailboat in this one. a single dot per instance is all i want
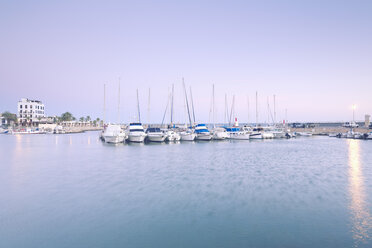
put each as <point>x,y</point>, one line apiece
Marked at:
<point>256,131</point>
<point>171,134</point>
<point>218,133</point>
<point>201,130</point>
<point>113,132</point>
<point>188,134</point>
<point>136,132</point>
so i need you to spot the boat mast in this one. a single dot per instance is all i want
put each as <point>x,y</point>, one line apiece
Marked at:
<point>268,111</point>
<point>226,109</point>
<point>274,110</point>
<point>232,110</point>
<point>172,97</point>
<point>166,109</point>
<point>118,118</point>
<point>192,105</point>
<point>256,109</point>
<point>148,109</point>
<point>138,109</point>
<point>213,108</point>
<point>104,103</point>
<point>248,109</point>
<point>187,103</point>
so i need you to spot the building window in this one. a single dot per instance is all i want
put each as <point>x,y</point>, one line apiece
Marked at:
<point>20,106</point>
<point>25,106</point>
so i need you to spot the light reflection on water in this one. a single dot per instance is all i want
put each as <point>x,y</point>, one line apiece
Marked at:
<point>361,217</point>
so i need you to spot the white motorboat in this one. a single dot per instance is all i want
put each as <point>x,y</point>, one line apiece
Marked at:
<point>220,133</point>
<point>237,133</point>
<point>136,132</point>
<point>304,134</point>
<point>173,136</point>
<point>155,135</point>
<point>26,131</point>
<point>113,134</point>
<point>256,133</point>
<point>188,135</point>
<point>202,132</point>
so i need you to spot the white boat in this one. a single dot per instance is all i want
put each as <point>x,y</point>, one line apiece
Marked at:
<point>332,134</point>
<point>3,131</point>
<point>304,134</point>
<point>136,133</point>
<point>350,134</point>
<point>351,124</point>
<point>155,135</point>
<point>256,133</point>
<point>173,136</point>
<point>202,132</point>
<point>26,131</point>
<point>188,135</point>
<point>369,136</point>
<point>237,134</point>
<point>113,134</point>
<point>219,133</point>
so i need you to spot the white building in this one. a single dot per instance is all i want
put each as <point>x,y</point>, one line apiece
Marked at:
<point>30,111</point>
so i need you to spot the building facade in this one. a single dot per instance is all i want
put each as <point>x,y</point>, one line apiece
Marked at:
<point>30,111</point>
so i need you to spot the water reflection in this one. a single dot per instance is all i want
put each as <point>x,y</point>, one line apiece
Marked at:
<point>361,218</point>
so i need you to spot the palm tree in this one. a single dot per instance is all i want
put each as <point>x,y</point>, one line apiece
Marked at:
<point>87,119</point>
<point>81,119</point>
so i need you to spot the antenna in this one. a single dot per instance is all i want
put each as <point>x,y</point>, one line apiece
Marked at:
<point>138,108</point>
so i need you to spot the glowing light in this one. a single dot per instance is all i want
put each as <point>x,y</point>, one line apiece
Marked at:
<point>361,218</point>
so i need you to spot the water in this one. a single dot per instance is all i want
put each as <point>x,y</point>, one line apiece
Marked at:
<point>74,191</point>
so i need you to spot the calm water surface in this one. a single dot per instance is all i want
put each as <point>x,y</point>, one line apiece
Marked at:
<point>75,191</point>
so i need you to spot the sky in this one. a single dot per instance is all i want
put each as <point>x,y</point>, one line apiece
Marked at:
<point>315,56</point>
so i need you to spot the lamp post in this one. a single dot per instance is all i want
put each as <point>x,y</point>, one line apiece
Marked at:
<point>354,107</point>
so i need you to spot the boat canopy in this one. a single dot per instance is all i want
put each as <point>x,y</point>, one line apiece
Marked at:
<point>201,125</point>
<point>153,130</point>
<point>232,129</point>
<point>135,124</point>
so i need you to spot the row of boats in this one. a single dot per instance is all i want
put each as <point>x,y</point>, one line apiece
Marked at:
<point>352,135</point>
<point>135,132</point>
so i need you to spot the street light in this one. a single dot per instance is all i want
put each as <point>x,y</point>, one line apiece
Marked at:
<point>354,107</point>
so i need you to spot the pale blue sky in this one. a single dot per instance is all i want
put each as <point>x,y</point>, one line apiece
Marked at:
<point>316,56</point>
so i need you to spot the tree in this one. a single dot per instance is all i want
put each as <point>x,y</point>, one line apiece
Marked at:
<point>87,119</point>
<point>66,117</point>
<point>81,119</point>
<point>9,117</point>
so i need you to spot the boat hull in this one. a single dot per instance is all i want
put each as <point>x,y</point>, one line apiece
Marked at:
<point>156,138</point>
<point>203,136</point>
<point>188,137</point>
<point>239,136</point>
<point>137,138</point>
<point>114,139</point>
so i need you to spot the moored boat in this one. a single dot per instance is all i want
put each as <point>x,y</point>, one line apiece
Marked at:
<point>113,134</point>
<point>202,132</point>
<point>136,133</point>
<point>155,135</point>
